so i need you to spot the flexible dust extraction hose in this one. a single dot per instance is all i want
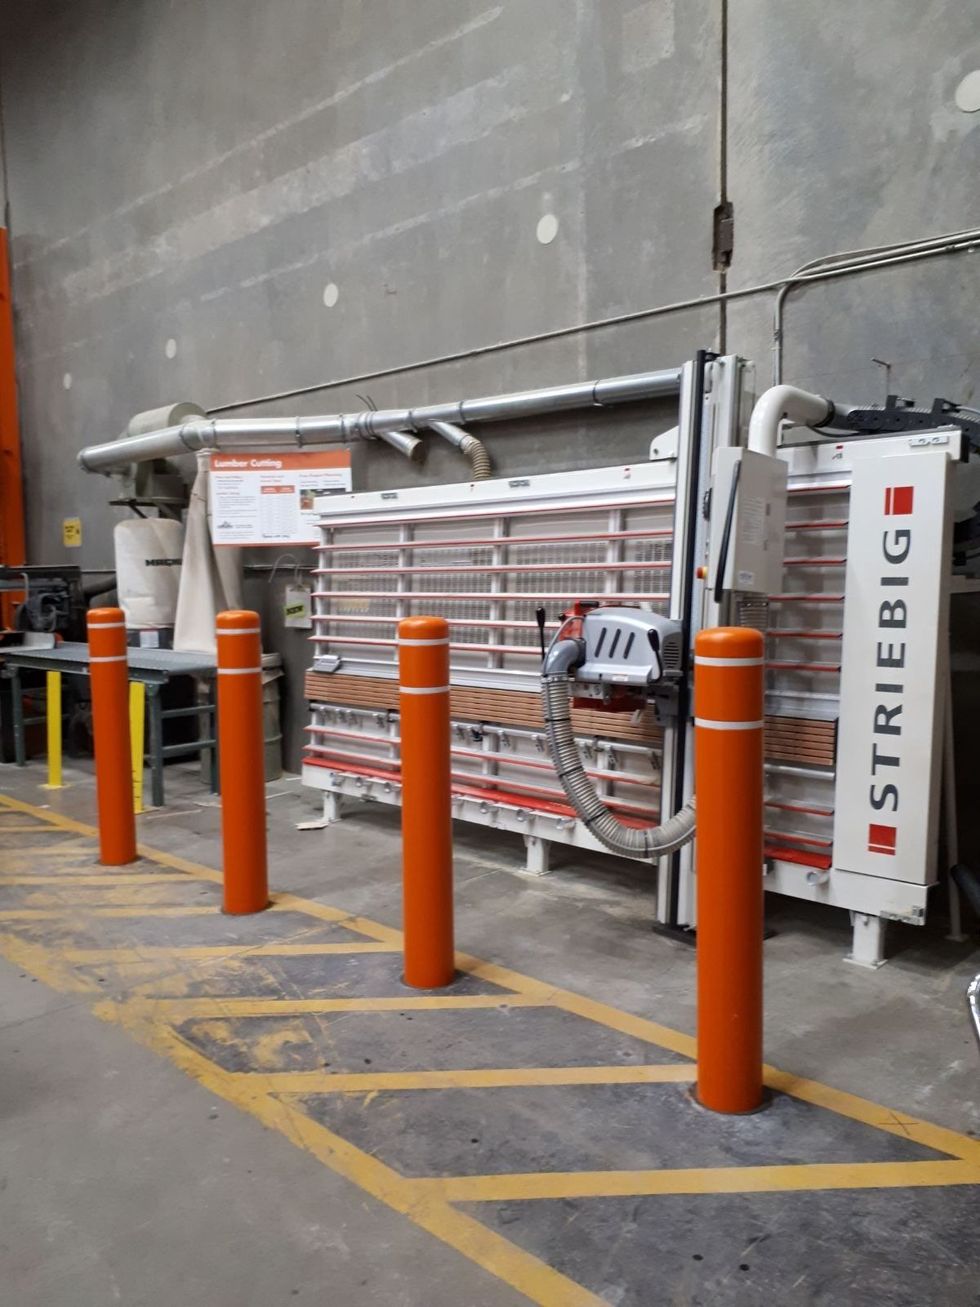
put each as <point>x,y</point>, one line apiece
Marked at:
<point>470,447</point>
<point>634,841</point>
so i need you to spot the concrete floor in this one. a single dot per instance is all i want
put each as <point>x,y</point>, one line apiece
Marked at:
<point>122,1180</point>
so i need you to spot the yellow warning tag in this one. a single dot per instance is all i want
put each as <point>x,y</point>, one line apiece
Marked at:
<point>71,532</point>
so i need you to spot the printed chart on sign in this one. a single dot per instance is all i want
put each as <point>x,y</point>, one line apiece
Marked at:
<point>270,498</point>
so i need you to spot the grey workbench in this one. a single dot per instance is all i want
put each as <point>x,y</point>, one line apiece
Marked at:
<point>153,667</point>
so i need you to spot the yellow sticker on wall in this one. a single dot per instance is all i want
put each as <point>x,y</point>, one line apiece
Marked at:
<point>71,532</point>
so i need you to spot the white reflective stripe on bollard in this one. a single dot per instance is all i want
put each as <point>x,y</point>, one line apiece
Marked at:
<point>110,658</point>
<point>704,660</point>
<point>727,726</point>
<point>423,689</point>
<point>420,643</point>
<point>239,671</point>
<point>243,630</point>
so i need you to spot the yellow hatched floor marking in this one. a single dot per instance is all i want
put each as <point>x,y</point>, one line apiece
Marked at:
<point>47,965</point>
<point>539,1282</point>
<point>231,952</point>
<point>428,1201</point>
<point>701,1180</point>
<point>184,1009</point>
<point>835,1100</point>
<point>371,1082</point>
<point>100,878</point>
<point>77,911</point>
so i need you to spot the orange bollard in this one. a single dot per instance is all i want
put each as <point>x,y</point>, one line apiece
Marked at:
<point>728,720</point>
<point>241,761</point>
<point>427,835</point>
<point>109,676</point>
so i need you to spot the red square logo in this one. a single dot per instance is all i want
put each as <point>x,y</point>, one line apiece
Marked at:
<point>881,839</point>
<point>898,500</point>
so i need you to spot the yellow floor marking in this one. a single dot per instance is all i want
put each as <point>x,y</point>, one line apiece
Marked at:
<point>836,1100</point>
<point>71,851</point>
<point>938,1137</point>
<point>701,1180</point>
<point>522,1271</point>
<point>366,1082</point>
<point>627,1024</point>
<point>184,1009</point>
<point>47,966</point>
<point>233,952</point>
<point>75,911</point>
<point>108,896</point>
<point>101,878</point>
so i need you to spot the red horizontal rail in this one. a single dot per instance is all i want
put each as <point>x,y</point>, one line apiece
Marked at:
<point>806,599</point>
<point>517,624</point>
<point>820,861</point>
<point>510,760</point>
<point>500,796</point>
<point>490,542</point>
<point>489,596</point>
<point>818,524</point>
<point>794,838</point>
<point>814,562</point>
<point>471,779</point>
<point>456,514</point>
<point>468,568</point>
<point>527,650</point>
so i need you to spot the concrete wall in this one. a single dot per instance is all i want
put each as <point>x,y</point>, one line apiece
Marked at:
<point>186,179</point>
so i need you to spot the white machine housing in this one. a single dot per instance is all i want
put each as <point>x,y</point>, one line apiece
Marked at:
<point>856,691</point>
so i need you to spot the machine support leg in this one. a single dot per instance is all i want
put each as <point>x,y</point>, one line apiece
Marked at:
<point>156,744</point>
<point>17,706</point>
<point>949,815</point>
<point>728,713</point>
<point>868,948</point>
<point>427,831</point>
<point>332,807</point>
<point>538,861</point>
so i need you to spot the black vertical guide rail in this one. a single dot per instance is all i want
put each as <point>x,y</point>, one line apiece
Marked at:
<point>684,697</point>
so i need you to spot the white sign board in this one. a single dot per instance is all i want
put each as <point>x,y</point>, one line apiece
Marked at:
<point>269,499</point>
<point>893,667</point>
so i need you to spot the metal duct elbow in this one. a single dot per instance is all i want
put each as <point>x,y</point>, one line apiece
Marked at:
<point>785,403</point>
<point>405,443</point>
<point>470,447</point>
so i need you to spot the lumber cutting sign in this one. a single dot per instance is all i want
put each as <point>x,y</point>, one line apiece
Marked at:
<point>270,498</point>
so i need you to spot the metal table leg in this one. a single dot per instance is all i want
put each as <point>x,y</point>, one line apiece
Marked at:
<point>17,702</point>
<point>212,719</point>
<point>156,744</point>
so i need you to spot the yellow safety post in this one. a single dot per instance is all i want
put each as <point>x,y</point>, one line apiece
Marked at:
<point>53,709</point>
<point>137,718</point>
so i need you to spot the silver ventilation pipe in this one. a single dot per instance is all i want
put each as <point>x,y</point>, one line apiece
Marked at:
<point>299,432</point>
<point>470,447</point>
<point>409,445</point>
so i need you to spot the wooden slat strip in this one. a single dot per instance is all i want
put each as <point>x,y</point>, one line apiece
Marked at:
<point>802,740</point>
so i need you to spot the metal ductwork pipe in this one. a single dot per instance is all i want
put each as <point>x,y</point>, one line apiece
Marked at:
<point>781,404</point>
<point>409,445</point>
<point>470,447</point>
<point>297,432</point>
